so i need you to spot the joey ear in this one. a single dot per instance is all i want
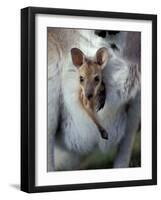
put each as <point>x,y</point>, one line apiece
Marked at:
<point>77,57</point>
<point>102,56</point>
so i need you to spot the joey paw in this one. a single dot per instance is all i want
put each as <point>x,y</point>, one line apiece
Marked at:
<point>104,133</point>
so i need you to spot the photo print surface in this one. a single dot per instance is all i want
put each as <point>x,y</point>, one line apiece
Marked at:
<point>94,96</point>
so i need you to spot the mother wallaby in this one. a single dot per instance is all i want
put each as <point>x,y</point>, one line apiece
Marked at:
<point>78,133</point>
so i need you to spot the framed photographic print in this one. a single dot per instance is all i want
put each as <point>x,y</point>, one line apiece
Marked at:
<point>88,99</point>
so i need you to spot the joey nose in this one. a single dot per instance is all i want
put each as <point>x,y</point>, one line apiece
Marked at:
<point>89,96</point>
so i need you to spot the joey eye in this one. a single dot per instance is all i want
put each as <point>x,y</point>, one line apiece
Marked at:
<point>81,79</point>
<point>96,79</point>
